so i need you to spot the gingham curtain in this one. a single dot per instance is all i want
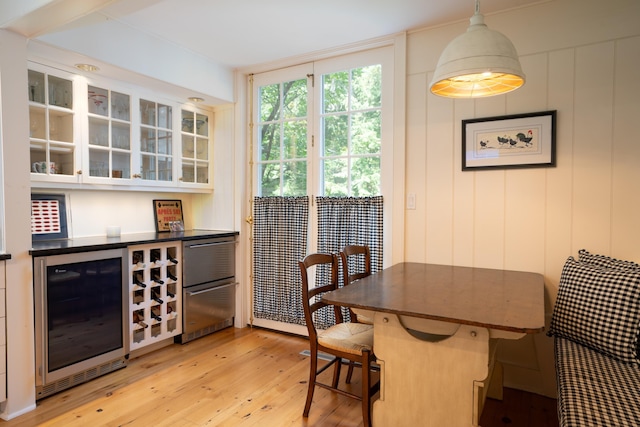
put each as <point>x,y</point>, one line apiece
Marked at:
<point>350,221</point>
<point>280,226</point>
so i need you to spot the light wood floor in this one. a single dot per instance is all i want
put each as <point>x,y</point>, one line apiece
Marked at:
<point>235,377</point>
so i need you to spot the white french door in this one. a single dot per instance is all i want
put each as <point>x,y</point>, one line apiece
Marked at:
<point>323,129</point>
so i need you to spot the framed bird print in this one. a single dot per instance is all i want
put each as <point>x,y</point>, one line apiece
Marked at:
<point>505,142</point>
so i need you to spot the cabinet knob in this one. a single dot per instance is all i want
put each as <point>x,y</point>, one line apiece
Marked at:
<point>79,172</point>
<point>137,175</point>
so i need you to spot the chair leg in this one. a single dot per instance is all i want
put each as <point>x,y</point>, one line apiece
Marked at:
<point>336,372</point>
<point>313,369</point>
<point>350,372</point>
<point>366,389</point>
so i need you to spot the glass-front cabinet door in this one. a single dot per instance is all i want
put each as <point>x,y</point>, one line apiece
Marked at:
<point>195,147</point>
<point>52,129</point>
<point>156,141</point>
<point>109,119</point>
<point>109,135</point>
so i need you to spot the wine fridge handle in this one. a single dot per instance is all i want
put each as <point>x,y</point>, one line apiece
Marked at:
<point>43,325</point>
<point>211,289</point>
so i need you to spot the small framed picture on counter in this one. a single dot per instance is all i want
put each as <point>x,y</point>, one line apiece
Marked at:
<point>168,215</point>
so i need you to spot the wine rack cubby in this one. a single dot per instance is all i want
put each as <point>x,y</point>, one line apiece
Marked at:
<point>155,292</point>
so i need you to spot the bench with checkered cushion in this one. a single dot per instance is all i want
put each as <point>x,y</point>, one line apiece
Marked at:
<point>594,389</point>
<point>596,325</point>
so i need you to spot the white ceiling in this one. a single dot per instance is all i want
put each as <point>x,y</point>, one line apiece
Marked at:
<point>223,35</point>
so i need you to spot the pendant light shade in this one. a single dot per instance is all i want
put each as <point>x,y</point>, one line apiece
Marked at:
<point>478,63</point>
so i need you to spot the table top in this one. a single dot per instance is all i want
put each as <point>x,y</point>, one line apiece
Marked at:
<point>496,299</point>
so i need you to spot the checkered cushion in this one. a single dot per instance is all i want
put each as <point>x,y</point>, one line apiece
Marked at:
<point>599,308</point>
<point>595,390</point>
<point>605,261</point>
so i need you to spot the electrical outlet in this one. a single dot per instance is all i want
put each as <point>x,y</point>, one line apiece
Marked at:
<point>411,201</point>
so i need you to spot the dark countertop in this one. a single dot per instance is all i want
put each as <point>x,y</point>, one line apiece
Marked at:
<point>87,244</point>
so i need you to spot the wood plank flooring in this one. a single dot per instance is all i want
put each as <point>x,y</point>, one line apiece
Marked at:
<point>235,377</point>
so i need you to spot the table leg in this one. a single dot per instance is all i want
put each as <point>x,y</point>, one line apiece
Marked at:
<point>429,380</point>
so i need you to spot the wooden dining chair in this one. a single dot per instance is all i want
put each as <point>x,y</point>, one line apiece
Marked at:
<point>344,340</point>
<point>356,264</point>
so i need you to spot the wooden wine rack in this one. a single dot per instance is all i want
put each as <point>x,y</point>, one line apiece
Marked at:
<point>155,292</point>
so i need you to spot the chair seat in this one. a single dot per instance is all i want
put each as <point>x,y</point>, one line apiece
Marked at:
<point>351,338</point>
<point>363,316</point>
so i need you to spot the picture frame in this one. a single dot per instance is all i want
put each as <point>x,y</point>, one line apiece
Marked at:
<point>507,142</point>
<point>168,215</point>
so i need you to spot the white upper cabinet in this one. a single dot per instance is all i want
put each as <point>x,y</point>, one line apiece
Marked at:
<point>105,135</point>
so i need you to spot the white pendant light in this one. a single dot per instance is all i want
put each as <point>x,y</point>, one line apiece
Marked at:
<point>478,63</point>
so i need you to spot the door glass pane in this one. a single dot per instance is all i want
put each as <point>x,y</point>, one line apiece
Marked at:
<point>119,106</point>
<point>147,112</point>
<point>164,142</point>
<point>351,138</point>
<point>147,140</point>
<point>283,136</point>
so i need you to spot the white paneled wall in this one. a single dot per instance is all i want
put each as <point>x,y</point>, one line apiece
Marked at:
<point>533,219</point>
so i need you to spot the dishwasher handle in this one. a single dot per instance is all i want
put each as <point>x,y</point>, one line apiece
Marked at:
<point>215,288</point>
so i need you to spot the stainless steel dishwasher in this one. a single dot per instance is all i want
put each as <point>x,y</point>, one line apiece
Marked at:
<point>209,286</point>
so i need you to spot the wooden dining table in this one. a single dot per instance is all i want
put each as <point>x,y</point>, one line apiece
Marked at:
<point>436,329</point>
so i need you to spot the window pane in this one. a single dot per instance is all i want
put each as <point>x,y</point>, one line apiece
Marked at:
<point>336,136</point>
<point>269,103</point>
<point>269,179</point>
<point>295,98</point>
<point>366,89</point>
<point>203,174</point>
<point>270,142</point>
<point>335,177</point>
<point>365,133</point>
<point>188,171</point>
<point>365,177</point>
<point>295,178</point>
<point>295,139</point>
<point>335,92</point>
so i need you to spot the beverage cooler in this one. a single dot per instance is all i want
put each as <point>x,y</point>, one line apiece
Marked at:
<point>80,305</point>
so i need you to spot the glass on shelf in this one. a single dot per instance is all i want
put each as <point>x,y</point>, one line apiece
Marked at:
<point>98,163</point>
<point>36,86</point>
<point>98,101</point>
<point>98,132</point>
<point>147,140</point>
<point>147,112</point>
<point>60,92</point>
<point>121,165</point>
<point>165,168</point>
<point>188,119</point>
<point>203,174</point>
<point>119,106</point>
<point>120,136</point>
